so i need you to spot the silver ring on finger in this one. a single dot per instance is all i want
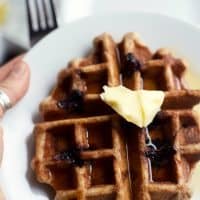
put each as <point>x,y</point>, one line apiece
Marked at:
<point>5,101</point>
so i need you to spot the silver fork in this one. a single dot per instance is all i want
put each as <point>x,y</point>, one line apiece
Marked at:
<point>41,18</point>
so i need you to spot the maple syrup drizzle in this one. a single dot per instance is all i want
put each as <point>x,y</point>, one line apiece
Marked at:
<point>150,170</point>
<point>150,144</point>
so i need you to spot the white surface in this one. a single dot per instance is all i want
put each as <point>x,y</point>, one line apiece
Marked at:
<point>183,9</point>
<point>52,54</point>
<point>70,10</point>
<point>15,28</point>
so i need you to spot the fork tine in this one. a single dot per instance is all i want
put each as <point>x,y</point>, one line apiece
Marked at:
<point>52,7</point>
<point>39,21</point>
<point>45,12</point>
<point>39,17</point>
<point>30,20</point>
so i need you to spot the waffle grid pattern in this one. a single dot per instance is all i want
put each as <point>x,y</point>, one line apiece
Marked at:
<point>116,166</point>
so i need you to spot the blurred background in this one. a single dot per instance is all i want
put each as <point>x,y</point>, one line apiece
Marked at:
<point>13,19</point>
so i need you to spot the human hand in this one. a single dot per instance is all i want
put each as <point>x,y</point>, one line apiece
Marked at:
<point>14,82</point>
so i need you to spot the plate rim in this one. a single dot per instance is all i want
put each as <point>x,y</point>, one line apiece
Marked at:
<point>106,14</point>
<point>96,17</point>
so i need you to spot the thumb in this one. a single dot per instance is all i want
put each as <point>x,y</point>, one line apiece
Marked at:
<point>16,83</point>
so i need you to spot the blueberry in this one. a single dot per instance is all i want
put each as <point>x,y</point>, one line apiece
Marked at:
<point>162,154</point>
<point>72,156</point>
<point>63,104</point>
<point>74,102</point>
<point>131,64</point>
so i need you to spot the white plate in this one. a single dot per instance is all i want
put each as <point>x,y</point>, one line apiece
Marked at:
<point>52,54</point>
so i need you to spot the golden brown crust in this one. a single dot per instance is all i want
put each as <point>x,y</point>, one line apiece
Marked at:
<point>104,155</point>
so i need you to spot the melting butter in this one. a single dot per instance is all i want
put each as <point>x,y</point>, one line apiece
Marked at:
<point>138,107</point>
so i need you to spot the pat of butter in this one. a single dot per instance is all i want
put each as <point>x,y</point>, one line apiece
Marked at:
<point>138,107</point>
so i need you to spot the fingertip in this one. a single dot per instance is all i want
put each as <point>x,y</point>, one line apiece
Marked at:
<point>18,70</point>
<point>17,81</point>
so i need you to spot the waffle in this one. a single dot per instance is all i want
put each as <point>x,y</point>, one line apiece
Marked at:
<point>85,151</point>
